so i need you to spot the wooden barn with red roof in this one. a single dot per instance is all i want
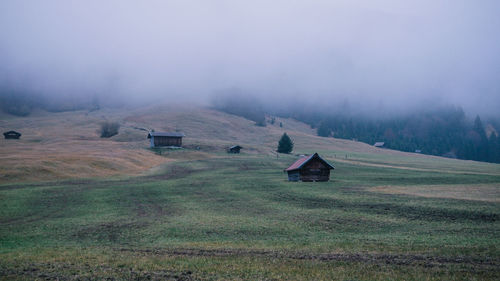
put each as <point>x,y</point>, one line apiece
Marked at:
<point>310,168</point>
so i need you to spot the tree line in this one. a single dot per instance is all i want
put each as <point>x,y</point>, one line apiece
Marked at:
<point>20,103</point>
<point>445,132</point>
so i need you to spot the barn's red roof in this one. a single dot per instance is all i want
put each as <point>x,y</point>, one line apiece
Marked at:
<point>299,163</point>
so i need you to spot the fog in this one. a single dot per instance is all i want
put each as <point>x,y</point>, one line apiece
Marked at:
<point>380,54</point>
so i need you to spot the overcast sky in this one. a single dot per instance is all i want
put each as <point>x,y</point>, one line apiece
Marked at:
<point>390,52</point>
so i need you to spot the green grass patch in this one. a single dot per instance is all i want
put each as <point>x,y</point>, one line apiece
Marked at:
<point>237,217</point>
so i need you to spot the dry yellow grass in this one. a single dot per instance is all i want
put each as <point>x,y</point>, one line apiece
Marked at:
<point>479,192</point>
<point>66,145</point>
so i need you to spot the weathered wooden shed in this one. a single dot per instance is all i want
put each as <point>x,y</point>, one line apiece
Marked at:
<point>234,149</point>
<point>310,168</point>
<point>165,139</point>
<point>12,135</point>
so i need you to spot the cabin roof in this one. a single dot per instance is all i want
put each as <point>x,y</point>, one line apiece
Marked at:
<point>166,134</point>
<point>379,143</point>
<point>235,147</point>
<point>302,161</point>
<point>12,133</point>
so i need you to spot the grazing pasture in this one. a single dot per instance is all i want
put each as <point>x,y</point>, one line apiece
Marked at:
<point>238,217</point>
<point>205,214</point>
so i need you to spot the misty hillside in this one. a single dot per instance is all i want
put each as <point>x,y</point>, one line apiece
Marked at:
<point>68,144</point>
<point>441,131</point>
<point>75,204</point>
<point>369,135</point>
<point>414,75</point>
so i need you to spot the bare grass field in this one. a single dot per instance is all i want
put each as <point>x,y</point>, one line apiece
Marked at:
<point>113,208</point>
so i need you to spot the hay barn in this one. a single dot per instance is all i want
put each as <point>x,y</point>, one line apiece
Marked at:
<point>158,139</point>
<point>310,168</point>
<point>234,149</point>
<point>12,135</point>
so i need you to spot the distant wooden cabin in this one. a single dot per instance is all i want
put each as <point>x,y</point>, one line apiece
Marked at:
<point>310,168</point>
<point>379,144</point>
<point>158,139</point>
<point>234,149</point>
<point>12,135</point>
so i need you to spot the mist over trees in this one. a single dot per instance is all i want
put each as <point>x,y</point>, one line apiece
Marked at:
<point>390,51</point>
<point>16,103</point>
<point>20,103</point>
<point>237,102</point>
<point>437,130</point>
<point>444,132</point>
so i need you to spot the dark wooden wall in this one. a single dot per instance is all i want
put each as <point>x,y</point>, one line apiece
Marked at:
<point>315,170</point>
<point>168,141</point>
<point>12,136</point>
<point>294,176</point>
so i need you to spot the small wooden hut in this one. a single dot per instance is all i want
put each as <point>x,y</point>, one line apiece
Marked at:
<point>158,139</point>
<point>12,135</point>
<point>234,149</point>
<point>310,168</point>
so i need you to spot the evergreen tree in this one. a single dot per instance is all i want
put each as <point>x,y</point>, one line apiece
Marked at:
<point>285,145</point>
<point>494,148</point>
<point>497,150</point>
<point>479,128</point>
<point>482,149</point>
<point>324,129</point>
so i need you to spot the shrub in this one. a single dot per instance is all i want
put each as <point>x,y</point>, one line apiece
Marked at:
<point>109,129</point>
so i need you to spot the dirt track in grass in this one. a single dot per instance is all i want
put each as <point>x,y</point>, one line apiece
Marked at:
<point>395,259</point>
<point>65,270</point>
<point>478,192</point>
<point>70,271</point>
<point>402,167</point>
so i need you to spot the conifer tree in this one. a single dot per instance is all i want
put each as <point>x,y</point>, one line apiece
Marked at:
<point>285,145</point>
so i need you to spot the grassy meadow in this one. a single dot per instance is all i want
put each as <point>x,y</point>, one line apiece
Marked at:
<point>202,214</point>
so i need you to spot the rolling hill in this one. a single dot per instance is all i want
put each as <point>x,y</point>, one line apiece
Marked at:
<point>67,145</point>
<point>75,206</point>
